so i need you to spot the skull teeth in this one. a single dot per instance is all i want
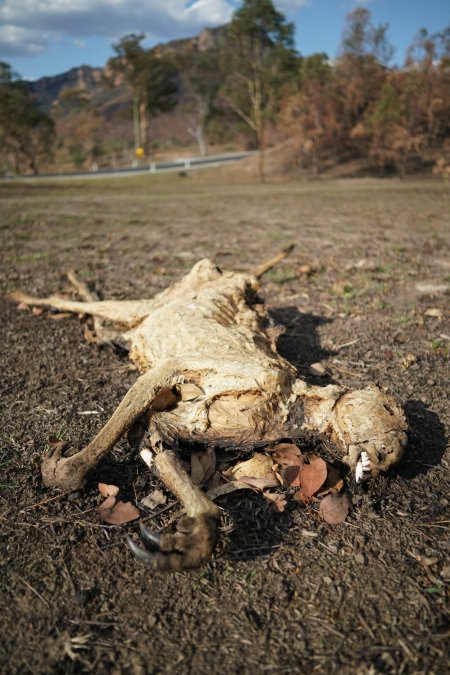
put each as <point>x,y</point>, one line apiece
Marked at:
<point>362,466</point>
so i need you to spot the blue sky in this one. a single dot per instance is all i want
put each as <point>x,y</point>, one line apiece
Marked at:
<point>47,37</point>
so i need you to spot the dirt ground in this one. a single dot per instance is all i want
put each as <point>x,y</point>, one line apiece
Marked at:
<point>284,592</point>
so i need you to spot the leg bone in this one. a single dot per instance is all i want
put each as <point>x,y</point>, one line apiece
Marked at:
<point>69,472</point>
<point>195,539</point>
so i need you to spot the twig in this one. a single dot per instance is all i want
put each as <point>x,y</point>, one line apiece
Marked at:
<point>347,344</point>
<point>46,501</point>
<point>88,296</point>
<point>327,625</point>
<point>155,515</point>
<point>256,548</point>
<point>31,589</point>
<point>266,266</point>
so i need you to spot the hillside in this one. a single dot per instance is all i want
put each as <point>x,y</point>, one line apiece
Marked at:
<point>94,119</point>
<point>307,114</point>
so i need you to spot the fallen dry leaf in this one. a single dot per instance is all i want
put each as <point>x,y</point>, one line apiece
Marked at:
<point>164,400</point>
<point>268,481</point>
<point>292,476</point>
<point>154,499</point>
<point>226,488</point>
<point>203,465</point>
<point>108,490</point>
<point>278,501</point>
<point>435,313</point>
<point>37,311</point>
<point>117,513</point>
<point>305,269</point>
<point>334,508</point>
<point>302,497</point>
<point>408,360</point>
<point>287,454</point>
<point>313,475</point>
<point>333,481</point>
<point>258,466</point>
<point>23,307</point>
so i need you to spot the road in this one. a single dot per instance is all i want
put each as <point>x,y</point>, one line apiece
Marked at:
<point>182,164</point>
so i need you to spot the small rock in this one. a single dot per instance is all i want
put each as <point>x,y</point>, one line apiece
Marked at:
<point>360,558</point>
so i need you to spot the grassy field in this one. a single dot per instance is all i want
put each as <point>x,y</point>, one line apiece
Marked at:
<point>284,592</point>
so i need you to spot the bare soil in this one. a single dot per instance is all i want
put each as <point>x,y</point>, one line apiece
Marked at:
<point>284,592</point>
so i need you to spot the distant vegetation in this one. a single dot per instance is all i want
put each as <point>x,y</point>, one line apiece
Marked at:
<point>241,85</point>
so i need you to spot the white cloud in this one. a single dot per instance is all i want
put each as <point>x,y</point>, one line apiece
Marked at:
<point>18,41</point>
<point>27,27</point>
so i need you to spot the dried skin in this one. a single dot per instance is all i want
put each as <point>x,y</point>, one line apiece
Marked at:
<point>211,374</point>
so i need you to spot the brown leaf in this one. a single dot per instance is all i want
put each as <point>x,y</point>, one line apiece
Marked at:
<point>37,311</point>
<point>287,454</point>
<point>108,490</point>
<point>313,475</point>
<point>203,465</point>
<point>278,501</point>
<point>164,400</point>
<point>260,483</point>
<point>305,269</point>
<point>23,307</point>
<point>292,476</point>
<point>117,513</point>
<point>257,466</point>
<point>333,481</point>
<point>334,508</point>
<point>302,497</point>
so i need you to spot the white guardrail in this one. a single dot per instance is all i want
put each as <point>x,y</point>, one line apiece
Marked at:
<point>182,164</point>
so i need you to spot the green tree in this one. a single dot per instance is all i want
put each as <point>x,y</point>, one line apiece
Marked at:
<point>257,60</point>
<point>26,133</point>
<point>150,77</point>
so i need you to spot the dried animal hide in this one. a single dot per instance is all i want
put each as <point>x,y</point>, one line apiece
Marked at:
<point>211,374</point>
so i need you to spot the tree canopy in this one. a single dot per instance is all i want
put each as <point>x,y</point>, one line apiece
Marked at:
<point>26,133</point>
<point>258,59</point>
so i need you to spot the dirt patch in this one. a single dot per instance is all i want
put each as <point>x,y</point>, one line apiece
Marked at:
<point>284,592</point>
